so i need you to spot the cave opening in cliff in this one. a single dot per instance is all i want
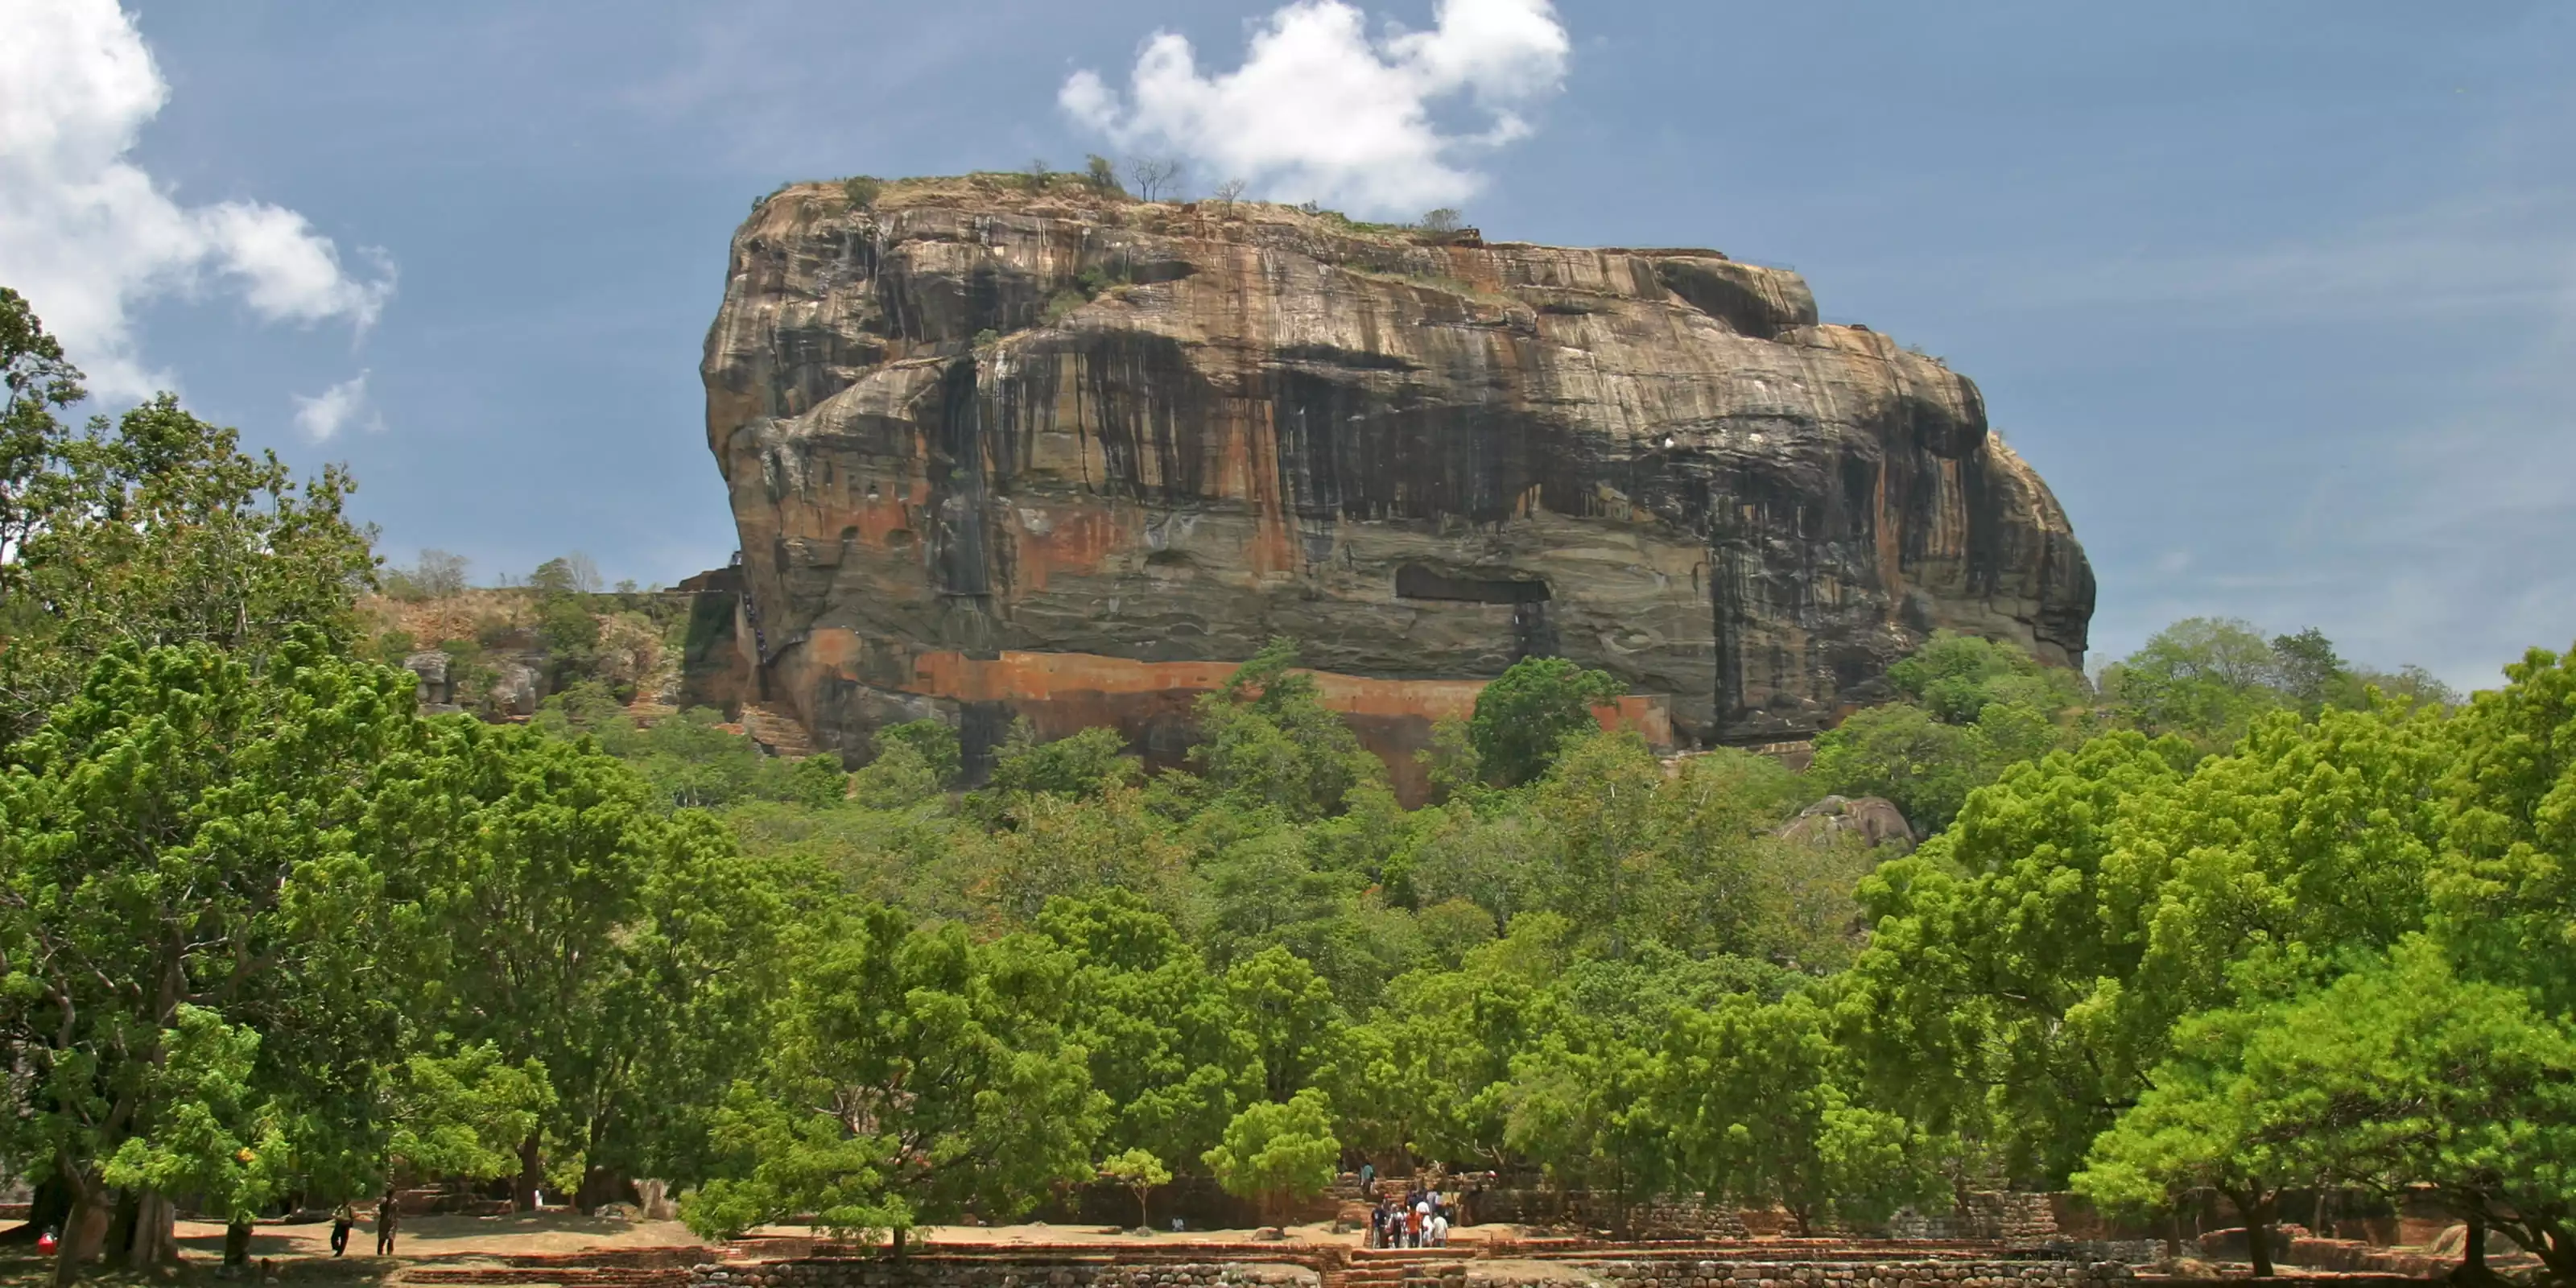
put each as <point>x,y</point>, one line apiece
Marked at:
<point>1413,581</point>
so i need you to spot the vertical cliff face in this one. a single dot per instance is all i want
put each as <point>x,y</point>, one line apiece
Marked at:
<point>996,452</point>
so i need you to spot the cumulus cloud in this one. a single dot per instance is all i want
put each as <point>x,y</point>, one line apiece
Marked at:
<point>336,408</point>
<point>88,236</point>
<point>1320,111</point>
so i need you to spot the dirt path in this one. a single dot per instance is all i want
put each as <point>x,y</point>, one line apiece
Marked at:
<point>421,1238</point>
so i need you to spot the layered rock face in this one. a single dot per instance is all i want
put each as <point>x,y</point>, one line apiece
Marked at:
<point>999,452</point>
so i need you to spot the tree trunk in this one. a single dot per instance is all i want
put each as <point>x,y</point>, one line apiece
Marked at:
<point>84,1234</point>
<point>532,1173</point>
<point>50,1206</point>
<point>2473,1268</point>
<point>2557,1250</point>
<point>156,1237</point>
<point>2256,1207</point>
<point>237,1244</point>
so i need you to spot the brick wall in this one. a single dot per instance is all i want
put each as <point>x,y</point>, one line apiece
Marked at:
<point>1890,1273</point>
<point>934,1272</point>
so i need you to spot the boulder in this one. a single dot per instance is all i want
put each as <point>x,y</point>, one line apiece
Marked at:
<point>1874,819</point>
<point>996,453</point>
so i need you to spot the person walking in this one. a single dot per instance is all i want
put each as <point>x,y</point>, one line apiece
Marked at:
<point>386,1216</point>
<point>342,1218</point>
<point>1413,1225</point>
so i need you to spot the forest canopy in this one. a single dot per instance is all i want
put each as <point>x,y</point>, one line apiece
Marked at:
<point>2243,917</point>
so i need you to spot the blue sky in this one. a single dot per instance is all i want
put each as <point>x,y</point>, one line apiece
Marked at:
<point>2281,298</point>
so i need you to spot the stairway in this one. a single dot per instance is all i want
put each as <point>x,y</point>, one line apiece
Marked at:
<point>776,728</point>
<point>1399,1267</point>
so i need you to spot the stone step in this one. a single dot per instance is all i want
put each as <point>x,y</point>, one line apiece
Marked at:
<point>775,727</point>
<point>562,1276</point>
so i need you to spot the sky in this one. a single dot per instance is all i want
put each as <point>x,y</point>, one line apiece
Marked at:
<point>2280,298</point>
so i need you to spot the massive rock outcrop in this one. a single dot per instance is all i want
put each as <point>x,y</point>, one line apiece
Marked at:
<point>997,451</point>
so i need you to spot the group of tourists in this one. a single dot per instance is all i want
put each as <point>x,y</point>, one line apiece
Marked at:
<point>1421,1220</point>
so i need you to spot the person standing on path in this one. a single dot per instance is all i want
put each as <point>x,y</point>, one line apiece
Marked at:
<point>342,1218</point>
<point>386,1215</point>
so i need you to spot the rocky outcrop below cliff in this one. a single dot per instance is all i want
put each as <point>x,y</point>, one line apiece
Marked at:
<point>997,451</point>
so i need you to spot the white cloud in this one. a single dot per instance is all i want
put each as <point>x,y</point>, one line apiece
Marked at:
<point>87,235</point>
<point>1320,111</point>
<point>327,413</point>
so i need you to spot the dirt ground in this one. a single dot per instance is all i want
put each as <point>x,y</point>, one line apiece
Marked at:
<point>303,1249</point>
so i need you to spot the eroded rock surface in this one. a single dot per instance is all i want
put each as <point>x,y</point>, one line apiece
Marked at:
<point>999,452</point>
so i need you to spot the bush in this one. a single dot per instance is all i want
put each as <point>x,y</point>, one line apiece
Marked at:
<point>862,191</point>
<point>566,628</point>
<point>933,742</point>
<point>1061,305</point>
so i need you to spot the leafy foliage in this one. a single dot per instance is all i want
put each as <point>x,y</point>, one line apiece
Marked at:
<point>2252,918</point>
<point>1278,1153</point>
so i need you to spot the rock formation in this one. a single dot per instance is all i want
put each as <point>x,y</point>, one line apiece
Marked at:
<point>998,450</point>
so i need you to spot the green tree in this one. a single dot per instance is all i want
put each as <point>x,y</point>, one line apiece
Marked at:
<point>460,1115</point>
<point>2308,672</point>
<point>187,832</point>
<point>817,781</point>
<point>1764,1111</point>
<point>1597,801</point>
<point>2400,1072</point>
<point>1140,1172</point>
<point>2043,949</point>
<point>1956,676</point>
<point>916,1075</point>
<point>1080,767</point>
<point>2202,678</point>
<point>1528,711</point>
<point>1576,1105</point>
<point>1289,1013</point>
<point>1277,1154</point>
<point>1972,997</point>
<point>2502,882</point>
<point>155,530</point>
<point>934,742</point>
<point>1267,739</point>
<point>1166,1042</point>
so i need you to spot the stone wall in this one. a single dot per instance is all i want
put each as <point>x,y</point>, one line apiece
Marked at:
<point>1859,1273</point>
<point>2007,1217</point>
<point>942,1272</point>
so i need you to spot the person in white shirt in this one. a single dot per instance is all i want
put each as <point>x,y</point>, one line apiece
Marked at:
<point>1439,1230</point>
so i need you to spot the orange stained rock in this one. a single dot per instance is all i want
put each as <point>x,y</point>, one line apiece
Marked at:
<point>1017,677</point>
<point>1056,538</point>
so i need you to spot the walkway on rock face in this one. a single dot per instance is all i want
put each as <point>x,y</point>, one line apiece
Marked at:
<point>775,726</point>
